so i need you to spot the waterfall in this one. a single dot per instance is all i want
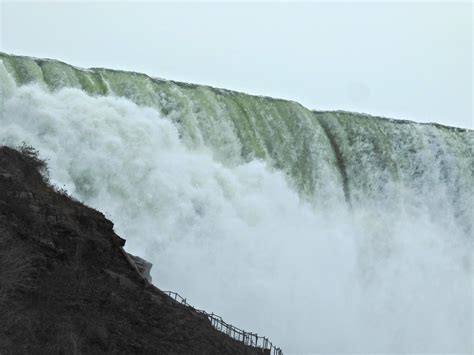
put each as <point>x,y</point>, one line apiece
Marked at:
<point>326,231</point>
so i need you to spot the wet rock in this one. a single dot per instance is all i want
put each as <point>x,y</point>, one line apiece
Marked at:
<point>143,266</point>
<point>67,286</point>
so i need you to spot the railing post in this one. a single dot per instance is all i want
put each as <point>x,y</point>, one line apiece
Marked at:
<point>250,339</point>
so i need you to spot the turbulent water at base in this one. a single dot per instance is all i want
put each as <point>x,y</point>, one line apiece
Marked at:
<point>325,231</point>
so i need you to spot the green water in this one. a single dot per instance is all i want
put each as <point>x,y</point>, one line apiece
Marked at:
<point>327,156</point>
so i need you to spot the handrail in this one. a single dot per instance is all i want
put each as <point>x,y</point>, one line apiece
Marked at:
<point>248,338</point>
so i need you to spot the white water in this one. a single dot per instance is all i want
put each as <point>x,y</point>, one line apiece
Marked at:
<point>238,241</point>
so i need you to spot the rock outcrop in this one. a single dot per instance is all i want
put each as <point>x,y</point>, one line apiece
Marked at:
<point>66,286</point>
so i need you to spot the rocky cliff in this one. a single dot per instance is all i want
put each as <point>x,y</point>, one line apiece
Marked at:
<point>67,286</point>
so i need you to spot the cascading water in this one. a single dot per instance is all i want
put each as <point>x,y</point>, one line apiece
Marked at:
<point>326,231</point>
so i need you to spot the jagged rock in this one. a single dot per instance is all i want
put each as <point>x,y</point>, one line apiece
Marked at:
<point>143,266</point>
<point>66,285</point>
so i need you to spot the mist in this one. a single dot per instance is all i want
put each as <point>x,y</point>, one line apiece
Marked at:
<point>391,274</point>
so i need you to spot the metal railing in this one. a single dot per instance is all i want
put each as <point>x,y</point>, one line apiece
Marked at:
<point>248,338</point>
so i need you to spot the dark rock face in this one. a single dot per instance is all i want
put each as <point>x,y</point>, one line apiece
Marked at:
<point>143,267</point>
<point>66,286</point>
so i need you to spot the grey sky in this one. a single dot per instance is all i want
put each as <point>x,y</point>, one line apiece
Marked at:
<point>402,60</point>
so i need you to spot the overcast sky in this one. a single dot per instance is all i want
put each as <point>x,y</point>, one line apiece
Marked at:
<point>402,60</point>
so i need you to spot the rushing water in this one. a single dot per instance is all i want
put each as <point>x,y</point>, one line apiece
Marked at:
<point>326,231</point>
